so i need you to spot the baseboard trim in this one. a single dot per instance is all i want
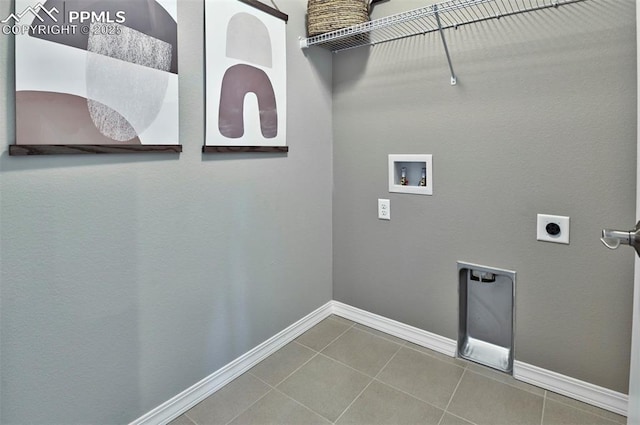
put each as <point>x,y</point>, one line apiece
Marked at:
<point>574,388</point>
<point>182,402</point>
<point>552,381</point>
<point>409,333</point>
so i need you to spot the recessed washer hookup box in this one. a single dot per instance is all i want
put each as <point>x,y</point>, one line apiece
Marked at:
<point>486,315</point>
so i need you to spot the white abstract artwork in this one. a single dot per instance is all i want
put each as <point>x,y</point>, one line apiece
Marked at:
<point>96,72</point>
<point>246,75</point>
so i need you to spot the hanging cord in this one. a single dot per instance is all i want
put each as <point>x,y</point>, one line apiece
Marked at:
<point>275,5</point>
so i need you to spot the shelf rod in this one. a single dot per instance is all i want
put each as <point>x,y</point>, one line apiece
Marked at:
<point>444,43</point>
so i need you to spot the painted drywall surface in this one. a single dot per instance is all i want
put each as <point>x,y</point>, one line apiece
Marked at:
<point>127,279</point>
<point>542,120</point>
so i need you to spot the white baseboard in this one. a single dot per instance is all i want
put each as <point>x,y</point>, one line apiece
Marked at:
<point>552,381</point>
<point>182,402</point>
<point>574,388</point>
<point>409,333</point>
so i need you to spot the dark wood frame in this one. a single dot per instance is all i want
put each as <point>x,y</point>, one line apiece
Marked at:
<point>217,149</point>
<point>244,149</point>
<point>268,9</point>
<point>24,150</point>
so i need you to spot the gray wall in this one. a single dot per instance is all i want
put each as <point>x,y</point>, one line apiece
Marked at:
<point>127,279</point>
<point>543,120</point>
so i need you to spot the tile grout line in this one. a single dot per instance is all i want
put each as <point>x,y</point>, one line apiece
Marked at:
<point>446,409</point>
<point>317,353</point>
<point>260,379</point>
<point>345,365</point>
<point>371,331</point>
<point>330,359</point>
<point>400,389</point>
<point>356,328</point>
<point>250,406</point>
<point>272,388</point>
<point>370,382</point>
<point>353,401</point>
<point>351,367</point>
<point>408,345</point>
<point>333,340</point>
<point>544,405</point>
<point>510,384</point>
<point>518,387</point>
<point>188,418</point>
<point>389,361</point>
<point>275,387</point>
<point>583,410</point>
<point>302,404</point>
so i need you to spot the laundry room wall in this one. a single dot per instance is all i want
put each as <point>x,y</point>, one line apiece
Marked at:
<point>542,120</point>
<point>126,279</point>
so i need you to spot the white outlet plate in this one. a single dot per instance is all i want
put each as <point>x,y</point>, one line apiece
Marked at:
<point>384,209</point>
<point>562,221</point>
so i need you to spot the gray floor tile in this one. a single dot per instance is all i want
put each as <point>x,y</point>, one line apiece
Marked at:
<point>277,409</point>
<point>362,351</point>
<point>562,414</point>
<point>342,319</point>
<point>229,401</point>
<point>275,368</point>
<point>380,404</point>
<point>449,419</point>
<point>504,378</point>
<point>330,369</point>
<point>453,360</point>
<point>380,334</point>
<point>587,408</point>
<point>485,401</point>
<point>181,420</point>
<point>422,376</point>
<point>322,334</point>
<point>325,386</point>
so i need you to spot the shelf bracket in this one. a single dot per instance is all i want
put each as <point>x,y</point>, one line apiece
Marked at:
<point>444,43</point>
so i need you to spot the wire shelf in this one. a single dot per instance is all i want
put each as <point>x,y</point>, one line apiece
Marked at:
<point>446,14</point>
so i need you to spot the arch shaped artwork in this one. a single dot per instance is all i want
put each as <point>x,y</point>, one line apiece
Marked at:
<point>246,55</point>
<point>238,81</point>
<point>248,40</point>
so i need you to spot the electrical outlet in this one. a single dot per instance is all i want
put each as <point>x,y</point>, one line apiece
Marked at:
<point>553,228</point>
<point>384,209</point>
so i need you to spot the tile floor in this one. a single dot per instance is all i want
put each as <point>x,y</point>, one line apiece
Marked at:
<point>340,372</point>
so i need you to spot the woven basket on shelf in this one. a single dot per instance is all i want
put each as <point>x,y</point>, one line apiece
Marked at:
<point>330,15</point>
